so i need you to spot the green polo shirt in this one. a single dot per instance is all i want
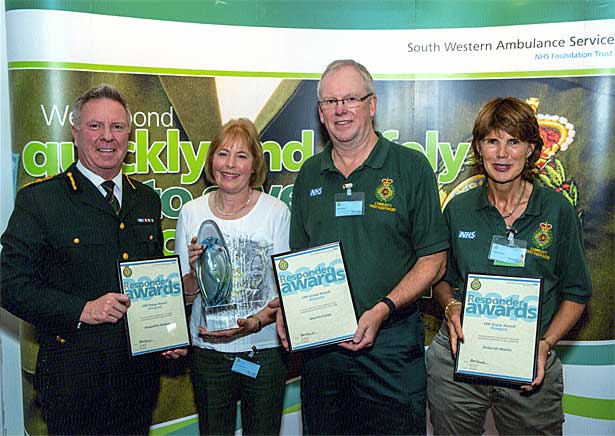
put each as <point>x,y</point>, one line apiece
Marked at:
<point>550,227</point>
<point>402,219</point>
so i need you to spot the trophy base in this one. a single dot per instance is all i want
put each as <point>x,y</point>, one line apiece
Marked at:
<point>222,317</point>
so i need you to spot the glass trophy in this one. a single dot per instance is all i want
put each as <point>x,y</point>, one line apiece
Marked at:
<point>214,272</point>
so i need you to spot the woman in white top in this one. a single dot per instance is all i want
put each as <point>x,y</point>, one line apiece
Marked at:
<point>254,226</point>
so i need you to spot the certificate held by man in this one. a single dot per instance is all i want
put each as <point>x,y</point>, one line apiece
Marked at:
<point>315,296</point>
<point>156,319</point>
<point>501,329</point>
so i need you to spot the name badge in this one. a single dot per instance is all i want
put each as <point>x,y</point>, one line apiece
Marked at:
<point>350,205</point>
<point>245,367</point>
<point>508,251</point>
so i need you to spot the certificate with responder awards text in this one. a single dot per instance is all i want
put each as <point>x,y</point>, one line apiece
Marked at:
<point>315,296</point>
<point>156,319</point>
<point>500,323</point>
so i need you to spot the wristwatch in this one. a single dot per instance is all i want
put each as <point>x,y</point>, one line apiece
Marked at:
<point>390,305</point>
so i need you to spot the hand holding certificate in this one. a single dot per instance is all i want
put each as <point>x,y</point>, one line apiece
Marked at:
<point>156,318</point>
<point>315,296</point>
<point>501,328</point>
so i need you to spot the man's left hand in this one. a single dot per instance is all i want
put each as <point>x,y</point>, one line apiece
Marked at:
<point>367,330</point>
<point>279,322</point>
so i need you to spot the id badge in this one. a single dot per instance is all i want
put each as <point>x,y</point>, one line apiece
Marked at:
<point>507,251</point>
<point>245,367</point>
<point>350,205</point>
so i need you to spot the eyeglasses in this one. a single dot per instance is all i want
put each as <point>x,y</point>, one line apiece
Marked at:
<point>95,126</point>
<point>348,102</point>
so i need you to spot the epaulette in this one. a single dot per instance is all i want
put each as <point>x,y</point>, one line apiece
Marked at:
<point>130,182</point>
<point>37,181</point>
<point>71,180</point>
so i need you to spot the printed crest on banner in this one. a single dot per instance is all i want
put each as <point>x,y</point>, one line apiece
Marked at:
<point>556,131</point>
<point>127,272</point>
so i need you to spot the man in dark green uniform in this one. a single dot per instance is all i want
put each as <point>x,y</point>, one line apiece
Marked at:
<point>58,266</point>
<point>381,201</point>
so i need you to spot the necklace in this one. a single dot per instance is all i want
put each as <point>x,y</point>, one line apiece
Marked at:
<point>517,204</point>
<point>237,211</point>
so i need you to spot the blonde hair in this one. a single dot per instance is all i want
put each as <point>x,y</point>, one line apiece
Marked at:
<point>239,130</point>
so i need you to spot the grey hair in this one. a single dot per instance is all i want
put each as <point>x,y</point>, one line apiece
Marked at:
<point>100,91</point>
<point>368,81</point>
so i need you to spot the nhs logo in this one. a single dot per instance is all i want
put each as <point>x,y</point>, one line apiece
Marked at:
<point>466,235</point>
<point>315,192</point>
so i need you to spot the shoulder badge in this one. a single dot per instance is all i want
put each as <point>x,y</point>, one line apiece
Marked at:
<point>37,181</point>
<point>71,180</point>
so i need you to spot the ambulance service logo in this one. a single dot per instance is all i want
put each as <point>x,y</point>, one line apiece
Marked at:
<point>543,236</point>
<point>385,191</point>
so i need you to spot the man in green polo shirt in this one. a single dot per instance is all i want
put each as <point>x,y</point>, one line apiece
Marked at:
<point>380,199</point>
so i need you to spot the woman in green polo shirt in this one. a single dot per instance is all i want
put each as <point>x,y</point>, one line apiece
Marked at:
<point>509,216</point>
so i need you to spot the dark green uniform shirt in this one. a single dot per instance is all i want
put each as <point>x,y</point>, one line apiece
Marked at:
<point>402,219</point>
<point>550,227</point>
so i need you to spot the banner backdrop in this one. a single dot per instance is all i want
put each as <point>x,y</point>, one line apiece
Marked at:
<point>188,67</point>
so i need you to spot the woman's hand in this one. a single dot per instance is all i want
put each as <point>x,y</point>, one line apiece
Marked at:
<point>541,364</point>
<point>565,318</point>
<point>246,326</point>
<point>452,312</point>
<point>194,251</point>
<point>453,322</point>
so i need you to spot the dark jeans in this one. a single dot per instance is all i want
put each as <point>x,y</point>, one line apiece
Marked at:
<point>217,390</point>
<point>380,390</point>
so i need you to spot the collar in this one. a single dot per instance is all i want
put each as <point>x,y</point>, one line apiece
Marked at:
<point>534,205</point>
<point>375,159</point>
<point>97,180</point>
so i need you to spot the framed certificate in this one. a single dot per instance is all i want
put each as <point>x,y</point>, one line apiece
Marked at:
<point>315,296</point>
<point>500,322</point>
<point>156,319</point>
